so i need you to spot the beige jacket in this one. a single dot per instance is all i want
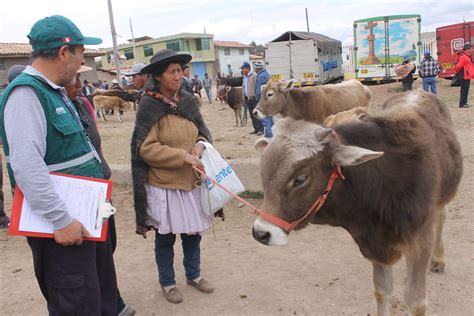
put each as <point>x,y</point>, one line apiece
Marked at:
<point>164,149</point>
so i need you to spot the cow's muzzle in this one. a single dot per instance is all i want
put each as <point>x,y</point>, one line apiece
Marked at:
<point>258,113</point>
<point>268,234</point>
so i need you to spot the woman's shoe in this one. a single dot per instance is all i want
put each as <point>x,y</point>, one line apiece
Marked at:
<point>203,285</point>
<point>172,295</point>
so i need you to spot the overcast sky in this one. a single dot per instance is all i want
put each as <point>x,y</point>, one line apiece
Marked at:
<point>241,20</point>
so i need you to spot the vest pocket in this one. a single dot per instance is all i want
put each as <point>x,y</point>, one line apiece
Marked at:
<point>66,126</point>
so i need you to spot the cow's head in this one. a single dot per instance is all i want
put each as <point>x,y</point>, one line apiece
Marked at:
<point>295,167</point>
<point>273,98</point>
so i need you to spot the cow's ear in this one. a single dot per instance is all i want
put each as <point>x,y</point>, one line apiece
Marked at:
<point>352,155</point>
<point>263,88</point>
<point>261,144</point>
<point>287,86</point>
<point>228,88</point>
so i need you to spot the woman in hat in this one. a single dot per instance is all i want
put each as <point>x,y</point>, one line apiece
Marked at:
<point>164,150</point>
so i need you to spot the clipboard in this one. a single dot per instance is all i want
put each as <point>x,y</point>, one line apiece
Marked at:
<point>104,210</point>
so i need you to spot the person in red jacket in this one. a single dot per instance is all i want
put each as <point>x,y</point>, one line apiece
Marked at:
<point>465,73</point>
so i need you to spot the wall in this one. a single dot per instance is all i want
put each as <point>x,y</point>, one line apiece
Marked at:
<point>10,61</point>
<point>234,60</point>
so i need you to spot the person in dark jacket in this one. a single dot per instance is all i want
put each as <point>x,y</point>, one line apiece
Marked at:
<point>86,113</point>
<point>406,70</point>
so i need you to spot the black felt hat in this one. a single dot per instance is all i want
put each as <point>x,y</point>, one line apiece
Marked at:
<point>165,57</point>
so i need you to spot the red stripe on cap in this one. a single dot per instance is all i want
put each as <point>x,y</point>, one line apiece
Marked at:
<point>67,39</point>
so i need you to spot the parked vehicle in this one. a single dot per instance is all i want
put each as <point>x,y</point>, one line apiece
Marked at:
<point>309,58</point>
<point>380,43</point>
<point>450,40</point>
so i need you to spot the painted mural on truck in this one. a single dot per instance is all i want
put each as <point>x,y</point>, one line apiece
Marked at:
<point>384,42</point>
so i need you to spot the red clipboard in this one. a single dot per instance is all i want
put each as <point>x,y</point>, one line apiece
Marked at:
<point>17,206</point>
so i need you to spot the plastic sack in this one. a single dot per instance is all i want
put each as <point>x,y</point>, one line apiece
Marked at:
<point>213,198</point>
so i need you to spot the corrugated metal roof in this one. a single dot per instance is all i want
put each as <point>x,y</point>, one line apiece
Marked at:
<point>24,49</point>
<point>231,44</point>
<point>326,43</point>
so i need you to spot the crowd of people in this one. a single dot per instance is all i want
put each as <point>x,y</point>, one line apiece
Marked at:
<point>75,275</point>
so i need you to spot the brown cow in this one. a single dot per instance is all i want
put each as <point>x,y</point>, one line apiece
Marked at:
<point>401,167</point>
<point>105,103</point>
<point>312,104</point>
<point>233,97</point>
<point>356,113</point>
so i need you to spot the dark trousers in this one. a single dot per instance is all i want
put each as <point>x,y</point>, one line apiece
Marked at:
<point>464,91</point>
<point>164,255</point>
<point>113,242</point>
<point>407,86</point>
<point>76,280</point>
<point>2,210</point>
<point>250,104</point>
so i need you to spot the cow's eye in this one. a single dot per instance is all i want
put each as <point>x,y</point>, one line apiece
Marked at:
<point>299,180</point>
<point>269,94</point>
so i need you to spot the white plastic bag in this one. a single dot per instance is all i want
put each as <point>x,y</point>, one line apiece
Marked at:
<point>213,198</point>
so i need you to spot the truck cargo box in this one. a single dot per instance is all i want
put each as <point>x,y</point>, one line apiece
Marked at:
<point>450,40</point>
<point>380,43</point>
<point>309,58</point>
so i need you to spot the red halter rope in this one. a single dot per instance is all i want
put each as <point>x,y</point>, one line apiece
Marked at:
<point>286,226</point>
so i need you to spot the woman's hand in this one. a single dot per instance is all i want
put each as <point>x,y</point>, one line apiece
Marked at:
<point>197,150</point>
<point>194,161</point>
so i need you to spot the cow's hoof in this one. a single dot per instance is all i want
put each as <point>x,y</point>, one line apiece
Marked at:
<point>437,267</point>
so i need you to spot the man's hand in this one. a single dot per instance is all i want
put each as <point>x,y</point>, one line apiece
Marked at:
<point>71,234</point>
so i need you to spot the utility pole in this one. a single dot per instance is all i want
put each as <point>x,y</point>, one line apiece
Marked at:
<point>114,40</point>
<point>307,21</point>
<point>133,42</point>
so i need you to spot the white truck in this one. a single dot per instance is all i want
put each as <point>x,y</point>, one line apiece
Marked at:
<point>309,58</point>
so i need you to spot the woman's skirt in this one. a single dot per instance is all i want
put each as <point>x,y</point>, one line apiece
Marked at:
<point>176,211</point>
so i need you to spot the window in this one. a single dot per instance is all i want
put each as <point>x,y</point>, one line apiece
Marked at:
<point>198,44</point>
<point>147,50</point>
<point>128,52</point>
<point>187,47</point>
<point>109,58</point>
<point>174,45</point>
<point>226,51</point>
<point>241,51</point>
<point>205,44</point>
<point>2,64</point>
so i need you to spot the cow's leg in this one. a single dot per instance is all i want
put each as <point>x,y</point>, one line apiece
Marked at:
<point>418,258</point>
<point>437,261</point>
<point>118,115</point>
<point>103,114</point>
<point>237,118</point>
<point>383,284</point>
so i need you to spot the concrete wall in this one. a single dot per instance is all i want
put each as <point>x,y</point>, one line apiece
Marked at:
<point>235,60</point>
<point>10,61</point>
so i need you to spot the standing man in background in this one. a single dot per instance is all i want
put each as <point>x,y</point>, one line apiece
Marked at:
<point>207,83</point>
<point>428,71</point>
<point>262,78</point>
<point>465,73</point>
<point>248,94</point>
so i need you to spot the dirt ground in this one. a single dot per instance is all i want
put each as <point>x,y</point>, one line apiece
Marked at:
<point>320,272</point>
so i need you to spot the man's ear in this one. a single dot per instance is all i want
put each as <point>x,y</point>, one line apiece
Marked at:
<point>63,51</point>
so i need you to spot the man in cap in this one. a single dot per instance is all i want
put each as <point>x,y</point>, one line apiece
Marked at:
<point>248,94</point>
<point>115,85</point>
<point>465,73</point>
<point>139,80</point>
<point>76,276</point>
<point>428,71</point>
<point>262,79</point>
<point>406,70</point>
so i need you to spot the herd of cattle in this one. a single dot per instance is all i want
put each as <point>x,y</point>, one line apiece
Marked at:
<point>392,173</point>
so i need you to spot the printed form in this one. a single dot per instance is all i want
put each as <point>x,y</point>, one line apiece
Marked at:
<point>82,198</point>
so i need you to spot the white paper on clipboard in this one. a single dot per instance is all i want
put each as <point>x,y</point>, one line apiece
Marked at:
<point>82,198</point>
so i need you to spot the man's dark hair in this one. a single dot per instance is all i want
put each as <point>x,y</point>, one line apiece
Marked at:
<point>206,74</point>
<point>185,67</point>
<point>51,53</point>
